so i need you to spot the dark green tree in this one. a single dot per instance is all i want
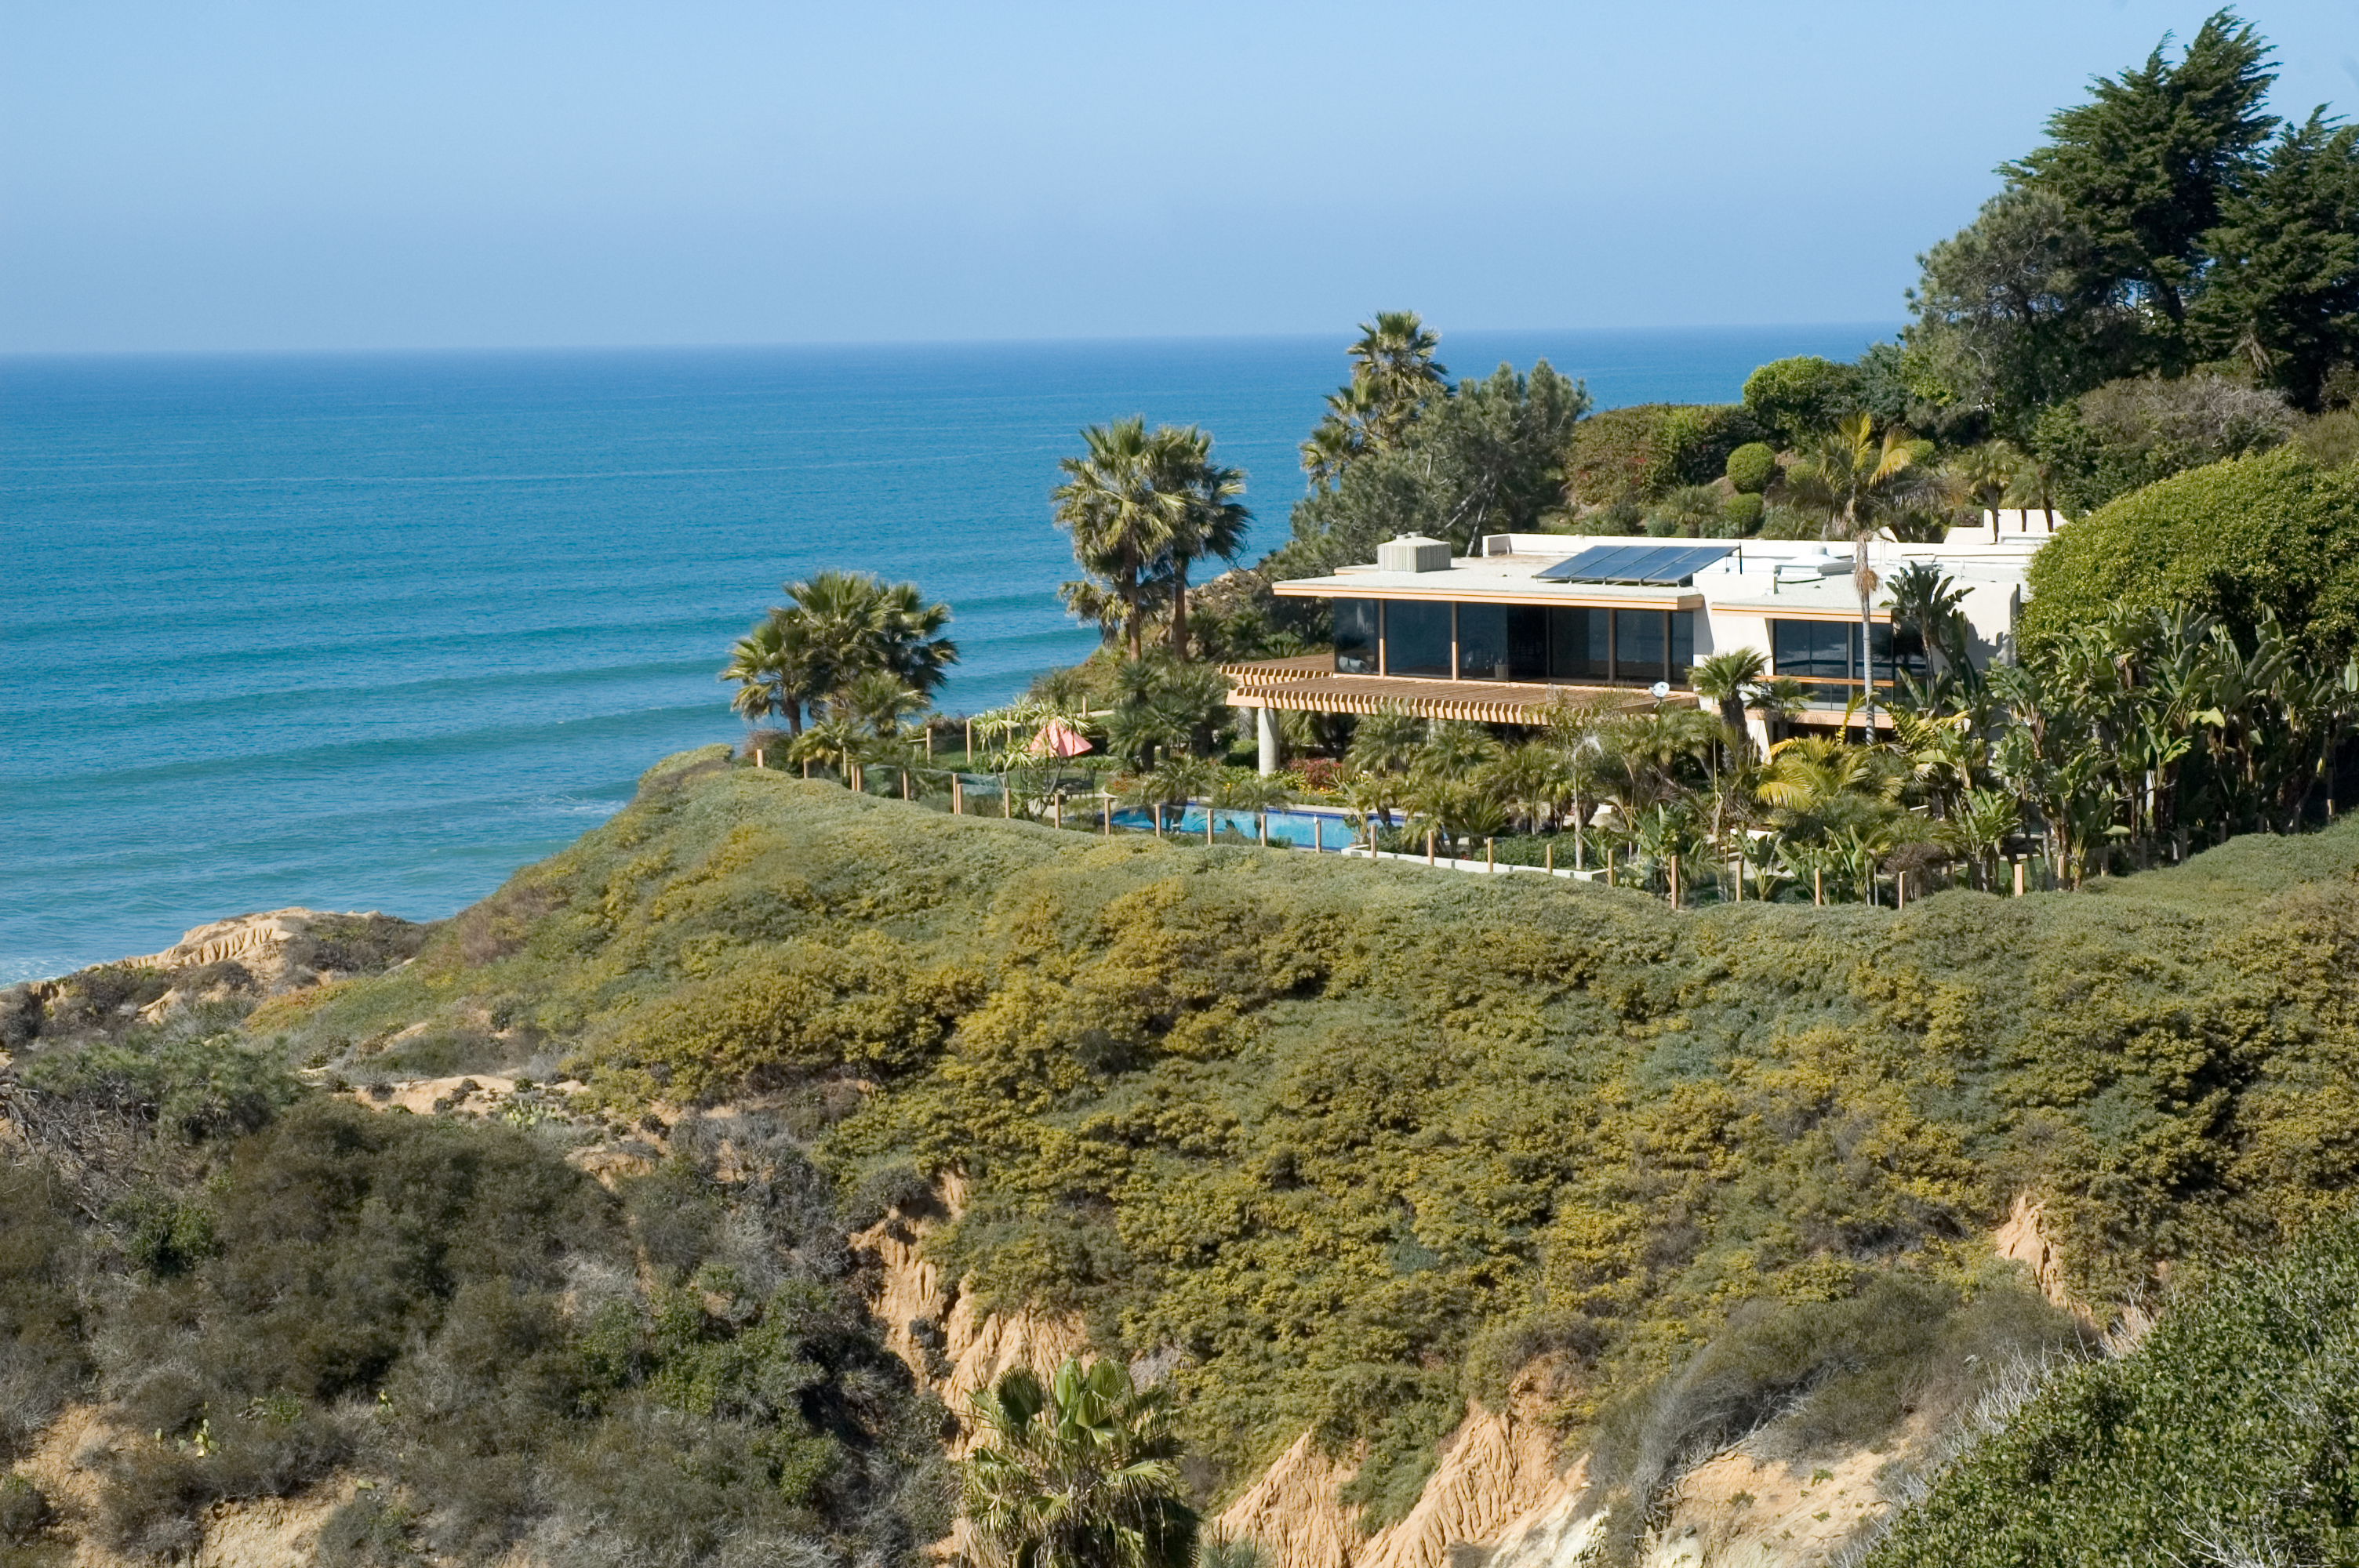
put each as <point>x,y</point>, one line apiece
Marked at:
<point>1803,396</point>
<point>2144,165</point>
<point>2283,296</point>
<point>1484,460</point>
<point>2016,311</point>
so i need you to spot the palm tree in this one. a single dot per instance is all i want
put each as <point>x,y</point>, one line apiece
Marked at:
<point>840,626</point>
<point>1142,508</point>
<point>1726,679</point>
<point>1927,599</point>
<point>766,664</point>
<point>1385,742</point>
<point>1857,481</point>
<point>1078,1474</point>
<point>1988,474</point>
<point>1211,521</point>
<point>880,703</point>
<point>1394,356</point>
<point>1122,520</point>
<point>1394,374</point>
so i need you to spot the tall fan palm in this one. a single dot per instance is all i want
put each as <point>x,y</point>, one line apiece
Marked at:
<point>1988,474</point>
<point>766,664</point>
<point>1394,356</point>
<point>1121,522</point>
<point>1212,520</point>
<point>1859,482</point>
<point>844,625</point>
<point>1079,1473</point>
<point>1142,508</point>
<point>1394,374</point>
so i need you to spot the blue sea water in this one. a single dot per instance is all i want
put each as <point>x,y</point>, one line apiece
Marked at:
<point>369,631</point>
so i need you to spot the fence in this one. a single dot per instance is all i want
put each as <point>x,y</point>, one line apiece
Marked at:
<point>1075,800</point>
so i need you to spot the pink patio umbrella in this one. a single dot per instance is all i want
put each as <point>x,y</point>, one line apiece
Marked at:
<point>1059,738</point>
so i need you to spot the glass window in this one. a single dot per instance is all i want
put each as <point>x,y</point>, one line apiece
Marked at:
<point>1577,645</point>
<point>1639,654</point>
<point>1527,642</point>
<point>1416,638</point>
<point>1682,645</point>
<point>1355,636</point>
<point>1814,650</point>
<point>1482,642</point>
<point>1904,640</point>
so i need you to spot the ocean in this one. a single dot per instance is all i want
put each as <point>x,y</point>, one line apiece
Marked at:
<point>369,631</point>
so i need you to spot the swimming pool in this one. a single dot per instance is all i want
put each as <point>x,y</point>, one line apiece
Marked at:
<point>1329,830</point>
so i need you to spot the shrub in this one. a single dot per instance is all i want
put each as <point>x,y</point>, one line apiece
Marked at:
<point>1740,516</point>
<point>2273,534</point>
<point>1782,522</point>
<point>2226,1437</point>
<point>1795,398</point>
<point>24,1513</point>
<point>1418,1114</point>
<point>1645,449</point>
<point>1751,467</point>
<point>2128,434</point>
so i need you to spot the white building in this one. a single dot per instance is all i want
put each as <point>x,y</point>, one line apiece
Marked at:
<point>1539,618</point>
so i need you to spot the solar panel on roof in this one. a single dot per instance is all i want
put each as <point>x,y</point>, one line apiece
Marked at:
<point>1654,566</point>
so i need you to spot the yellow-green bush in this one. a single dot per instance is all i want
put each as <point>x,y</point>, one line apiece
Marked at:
<point>1345,1137</point>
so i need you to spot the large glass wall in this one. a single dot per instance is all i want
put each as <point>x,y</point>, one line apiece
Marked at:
<point>1357,626</point>
<point>1416,638</point>
<point>1581,645</point>
<point>1829,650</point>
<point>1514,641</point>
<point>1482,642</point>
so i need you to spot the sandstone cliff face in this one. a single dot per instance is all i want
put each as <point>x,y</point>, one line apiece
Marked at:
<point>271,1532</point>
<point>933,1326</point>
<point>249,959</point>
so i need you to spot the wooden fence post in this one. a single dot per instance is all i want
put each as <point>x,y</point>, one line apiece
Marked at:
<point>1675,882</point>
<point>1261,827</point>
<point>1609,865</point>
<point>1489,862</point>
<point>1548,854</point>
<point>1105,813</point>
<point>1429,846</point>
<point>958,796</point>
<point>1007,799</point>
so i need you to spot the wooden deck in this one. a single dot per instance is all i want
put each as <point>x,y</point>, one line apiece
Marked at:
<point>1311,685</point>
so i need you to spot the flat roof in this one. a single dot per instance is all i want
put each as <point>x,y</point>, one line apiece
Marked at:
<point>1807,579</point>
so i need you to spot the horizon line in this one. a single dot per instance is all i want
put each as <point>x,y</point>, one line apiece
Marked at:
<point>1879,325</point>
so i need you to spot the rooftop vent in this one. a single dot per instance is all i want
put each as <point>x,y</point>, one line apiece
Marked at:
<point>1413,553</point>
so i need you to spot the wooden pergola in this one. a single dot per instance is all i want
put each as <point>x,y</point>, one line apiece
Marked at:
<point>1310,685</point>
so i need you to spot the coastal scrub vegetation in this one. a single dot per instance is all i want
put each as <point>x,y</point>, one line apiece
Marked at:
<point>1347,1145</point>
<point>677,1370</point>
<point>2224,1438</point>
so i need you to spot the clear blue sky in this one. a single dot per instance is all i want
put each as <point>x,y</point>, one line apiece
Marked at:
<point>277,174</point>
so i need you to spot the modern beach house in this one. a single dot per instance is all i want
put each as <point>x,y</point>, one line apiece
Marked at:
<point>1501,636</point>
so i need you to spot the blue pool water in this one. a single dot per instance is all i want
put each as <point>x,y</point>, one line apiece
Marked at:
<point>370,632</point>
<point>1302,830</point>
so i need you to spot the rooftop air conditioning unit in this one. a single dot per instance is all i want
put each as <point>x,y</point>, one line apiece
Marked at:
<point>1413,553</point>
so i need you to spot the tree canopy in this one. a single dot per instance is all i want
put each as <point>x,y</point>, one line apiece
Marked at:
<point>1484,460</point>
<point>2159,228</point>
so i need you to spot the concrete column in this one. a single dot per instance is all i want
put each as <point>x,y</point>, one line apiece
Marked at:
<point>1266,731</point>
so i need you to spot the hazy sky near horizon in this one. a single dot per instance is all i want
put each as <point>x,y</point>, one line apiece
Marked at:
<point>283,174</point>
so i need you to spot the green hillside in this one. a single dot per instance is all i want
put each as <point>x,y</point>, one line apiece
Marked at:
<point>1358,1143</point>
